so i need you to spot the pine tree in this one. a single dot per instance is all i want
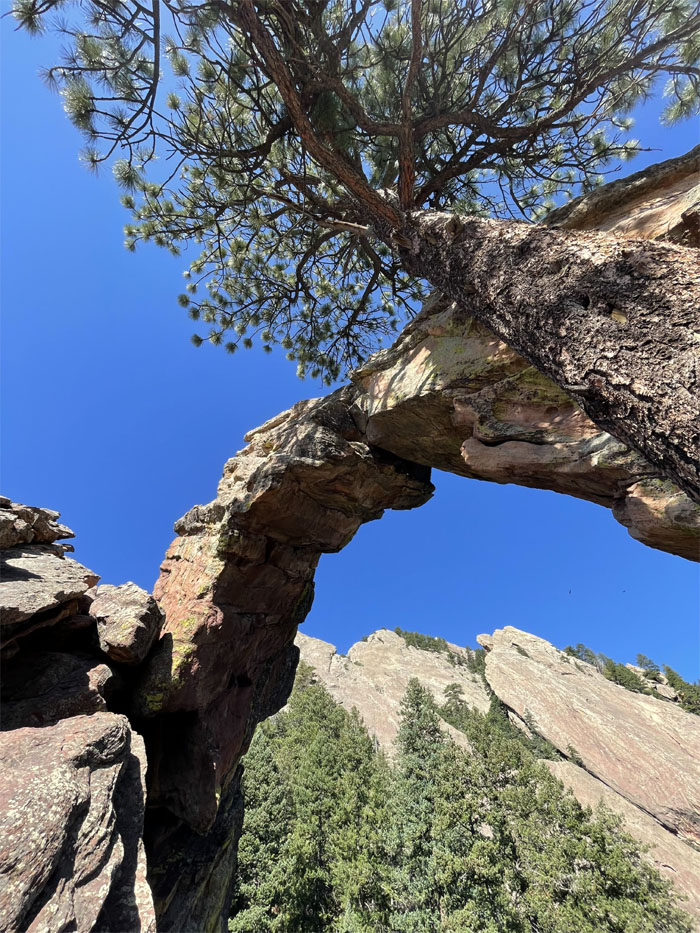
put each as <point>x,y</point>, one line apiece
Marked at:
<point>358,833</point>
<point>689,693</point>
<point>261,876</point>
<point>518,853</point>
<point>331,160</point>
<point>413,886</point>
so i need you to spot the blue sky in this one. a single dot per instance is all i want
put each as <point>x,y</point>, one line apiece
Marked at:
<point>111,416</point>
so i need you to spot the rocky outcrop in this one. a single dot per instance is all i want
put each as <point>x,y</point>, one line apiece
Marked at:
<point>72,774</point>
<point>234,586</point>
<point>20,524</point>
<point>375,673</point>
<point>39,586</point>
<point>71,811</point>
<point>642,747</point>
<point>660,202</point>
<point>451,395</point>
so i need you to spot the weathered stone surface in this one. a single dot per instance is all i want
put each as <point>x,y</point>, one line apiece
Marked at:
<point>240,579</point>
<point>642,747</point>
<point>128,621</point>
<point>25,524</point>
<point>50,685</point>
<point>66,845</point>
<point>450,395</point>
<point>374,675</point>
<point>673,857</point>
<point>37,586</point>
<point>191,874</point>
<point>660,202</point>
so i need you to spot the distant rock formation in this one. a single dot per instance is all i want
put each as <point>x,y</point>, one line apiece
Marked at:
<point>374,675</point>
<point>638,755</point>
<point>643,748</point>
<point>198,666</point>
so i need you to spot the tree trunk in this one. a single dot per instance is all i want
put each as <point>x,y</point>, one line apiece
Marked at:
<point>615,322</point>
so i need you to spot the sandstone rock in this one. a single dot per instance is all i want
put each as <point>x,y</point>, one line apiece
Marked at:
<point>191,874</point>
<point>375,674</point>
<point>643,748</point>
<point>450,395</point>
<point>128,621</point>
<point>24,524</point>
<point>240,579</point>
<point>48,686</point>
<point>67,845</point>
<point>38,585</point>
<point>673,857</point>
<point>660,202</point>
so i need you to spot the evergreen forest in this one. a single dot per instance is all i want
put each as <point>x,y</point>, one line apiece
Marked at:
<point>338,837</point>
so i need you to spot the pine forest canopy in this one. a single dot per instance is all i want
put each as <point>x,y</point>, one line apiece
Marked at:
<point>337,838</point>
<point>312,147</point>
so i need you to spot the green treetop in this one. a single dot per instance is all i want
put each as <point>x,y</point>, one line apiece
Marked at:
<point>291,139</point>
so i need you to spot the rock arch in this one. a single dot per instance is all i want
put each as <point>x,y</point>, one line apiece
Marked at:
<point>238,579</point>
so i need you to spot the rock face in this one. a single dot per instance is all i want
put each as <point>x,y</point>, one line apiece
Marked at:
<point>234,586</point>
<point>643,748</point>
<point>72,774</point>
<point>374,675</point>
<point>71,810</point>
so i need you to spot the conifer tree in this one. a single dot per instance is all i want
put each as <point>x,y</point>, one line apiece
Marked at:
<point>516,852</point>
<point>415,895</point>
<point>689,693</point>
<point>332,157</point>
<point>261,878</point>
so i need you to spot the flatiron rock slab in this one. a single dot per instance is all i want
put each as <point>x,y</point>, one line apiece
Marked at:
<point>643,747</point>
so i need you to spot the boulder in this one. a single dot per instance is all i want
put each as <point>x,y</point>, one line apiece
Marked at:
<point>71,814</point>
<point>38,587</point>
<point>24,524</point>
<point>604,727</point>
<point>128,621</point>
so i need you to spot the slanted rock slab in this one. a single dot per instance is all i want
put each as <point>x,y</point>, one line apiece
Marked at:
<point>604,726</point>
<point>128,621</point>
<point>37,583</point>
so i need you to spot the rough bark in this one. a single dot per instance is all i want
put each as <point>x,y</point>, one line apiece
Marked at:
<point>613,321</point>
